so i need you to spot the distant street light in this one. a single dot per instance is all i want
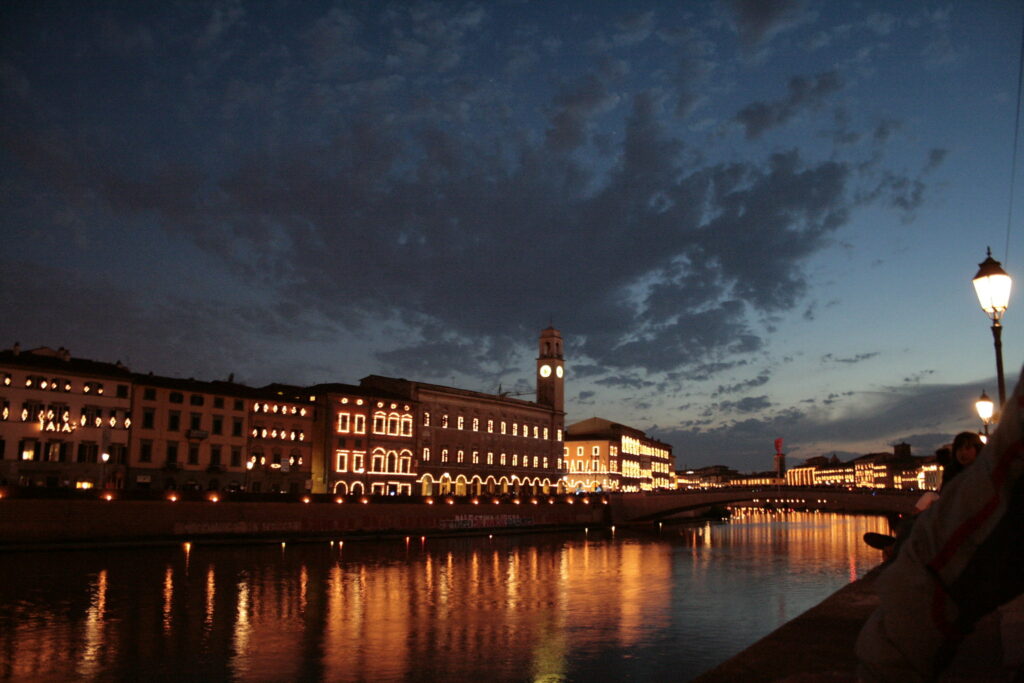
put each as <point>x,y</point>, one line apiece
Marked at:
<point>249,464</point>
<point>992,285</point>
<point>985,409</point>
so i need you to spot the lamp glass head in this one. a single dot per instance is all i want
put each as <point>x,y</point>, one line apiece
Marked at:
<point>985,407</point>
<point>992,285</point>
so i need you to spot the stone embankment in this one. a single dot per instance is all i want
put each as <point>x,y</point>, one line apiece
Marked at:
<point>28,522</point>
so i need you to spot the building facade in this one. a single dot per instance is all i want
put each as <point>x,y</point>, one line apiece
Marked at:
<point>64,421</point>
<point>472,443</point>
<point>364,443</point>
<point>601,455</point>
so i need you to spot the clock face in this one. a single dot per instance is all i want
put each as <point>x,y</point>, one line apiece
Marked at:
<point>545,370</point>
<point>559,371</point>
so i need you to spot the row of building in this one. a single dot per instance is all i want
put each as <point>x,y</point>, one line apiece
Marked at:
<point>78,423</point>
<point>896,470</point>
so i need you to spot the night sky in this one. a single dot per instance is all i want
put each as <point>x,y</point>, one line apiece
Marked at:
<point>749,219</point>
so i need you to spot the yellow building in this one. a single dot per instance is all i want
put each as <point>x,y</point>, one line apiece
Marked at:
<point>601,455</point>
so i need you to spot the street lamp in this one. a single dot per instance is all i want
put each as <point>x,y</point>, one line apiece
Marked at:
<point>992,285</point>
<point>104,457</point>
<point>985,409</point>
<point>248,468</point>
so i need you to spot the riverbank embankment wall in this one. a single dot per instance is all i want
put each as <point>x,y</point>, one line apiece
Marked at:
<point>31,522</point>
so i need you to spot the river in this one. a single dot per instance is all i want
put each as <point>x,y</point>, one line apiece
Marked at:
<point>664,603</point>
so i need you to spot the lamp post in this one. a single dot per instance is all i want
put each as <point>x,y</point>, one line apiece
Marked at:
<point>248,468</point>
<point>992,286</point>
<point>985,409</point>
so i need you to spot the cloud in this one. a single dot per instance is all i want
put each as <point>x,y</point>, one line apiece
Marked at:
<point>422,181</point>
<point>749,404</point>
<point>757,21</point>
<point>803,92</point>
<point>758,381</point>
<point>860,357</point>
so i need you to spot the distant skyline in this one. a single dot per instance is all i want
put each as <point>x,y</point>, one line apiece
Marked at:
<point>749,219</point>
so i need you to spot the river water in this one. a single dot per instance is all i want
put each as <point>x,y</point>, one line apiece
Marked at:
<point>659,604</point>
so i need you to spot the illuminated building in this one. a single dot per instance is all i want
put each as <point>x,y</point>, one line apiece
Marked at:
<point>63,421</point>
<point>801,475</point>
<point>467,442</point>
<point>280,439</point>
<point>387,436</point>
<point>364,441</point>
<point>601,455</point>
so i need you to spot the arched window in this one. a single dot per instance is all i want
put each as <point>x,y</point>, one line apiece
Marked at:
<point>377,463</point>
<point>380,423</point>
<point>405,462</point>
<point>407,425</point>
<point>393,424</point>
<point>392,464</point>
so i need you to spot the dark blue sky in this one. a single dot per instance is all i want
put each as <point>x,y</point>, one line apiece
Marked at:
<point>749,219</point>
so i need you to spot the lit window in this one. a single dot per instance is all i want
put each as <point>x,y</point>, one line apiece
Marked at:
<point>359,426</point>
<point>444,421</point>
<point>515,459</point>
<point>476,457</point>
<point>394,422</point>
<point>380,423</point>
<point>579,451</point>
<point>490,457</point>
<point>490,426</point>
<point>426,454</point>
<point>503,427</point>
<point>460,455</point>
<point>357,461</point>
<point>407,425</point>
<point>444,455</point>
<point>462,422</point>
<point>595,450</point>
<point>515,429</point>
<point>476,424</point>
<point>426,419</point>
<point>545,433</point>
<point>502,458</point>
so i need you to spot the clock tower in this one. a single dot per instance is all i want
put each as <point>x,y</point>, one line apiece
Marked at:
<point>551,370</point>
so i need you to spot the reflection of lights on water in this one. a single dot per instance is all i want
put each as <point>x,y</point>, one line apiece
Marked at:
<point>211,591</point>
<point>168,597</point>
<point>88,663</point>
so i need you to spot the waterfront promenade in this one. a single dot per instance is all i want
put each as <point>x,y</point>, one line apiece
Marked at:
<point>818,645</point>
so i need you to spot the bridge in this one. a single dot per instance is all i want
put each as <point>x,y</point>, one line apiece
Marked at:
<point>637,508</point>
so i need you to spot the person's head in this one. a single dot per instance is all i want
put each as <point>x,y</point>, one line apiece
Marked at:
<point>965,449</point>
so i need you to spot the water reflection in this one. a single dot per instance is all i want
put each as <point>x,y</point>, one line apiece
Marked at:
<point>670,601</point>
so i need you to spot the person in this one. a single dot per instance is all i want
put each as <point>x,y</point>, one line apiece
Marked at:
<point>962,561</point>
<point>954,460</point>
<point>963,452</point>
